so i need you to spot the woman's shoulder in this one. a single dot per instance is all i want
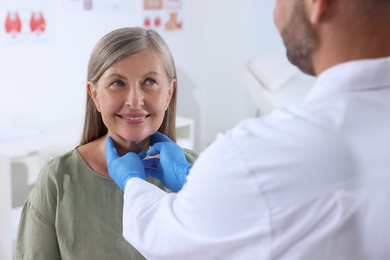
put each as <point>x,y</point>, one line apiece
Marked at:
<point>53,168</point>
<point>46,187</point>
<point>59,161</point>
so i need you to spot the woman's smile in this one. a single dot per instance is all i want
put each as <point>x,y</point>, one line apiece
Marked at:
<point>134,118</point>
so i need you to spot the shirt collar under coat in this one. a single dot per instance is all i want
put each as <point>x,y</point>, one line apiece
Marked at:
<point>358,75</point>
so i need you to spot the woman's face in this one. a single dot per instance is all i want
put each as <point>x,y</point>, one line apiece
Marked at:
<point>132,96</point>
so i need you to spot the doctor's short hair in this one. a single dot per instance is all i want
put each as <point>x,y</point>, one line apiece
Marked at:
<point>115,46</point>
<point>366,10</point>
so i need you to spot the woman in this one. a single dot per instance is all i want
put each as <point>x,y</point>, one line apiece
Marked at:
<point>75,209</point>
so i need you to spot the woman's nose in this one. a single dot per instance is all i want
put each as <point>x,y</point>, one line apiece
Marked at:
<point>135,98</point>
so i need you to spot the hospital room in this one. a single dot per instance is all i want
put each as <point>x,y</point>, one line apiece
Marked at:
<point>231,65</point>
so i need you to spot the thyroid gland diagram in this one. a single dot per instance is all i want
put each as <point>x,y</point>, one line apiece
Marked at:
<point>37,22</point>
<point>13,24</point>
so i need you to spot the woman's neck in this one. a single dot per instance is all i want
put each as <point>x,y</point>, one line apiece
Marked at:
<point>123,146</point>
<point>94,153</point>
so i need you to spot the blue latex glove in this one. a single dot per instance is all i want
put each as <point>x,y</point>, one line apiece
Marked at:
<point>172,167</point>
<point>121,169</point>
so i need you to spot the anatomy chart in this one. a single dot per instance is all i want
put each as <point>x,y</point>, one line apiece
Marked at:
<point>163,15</point>
<point>22,21</point>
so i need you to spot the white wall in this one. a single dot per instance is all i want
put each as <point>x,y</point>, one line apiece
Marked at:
<point>46,81</point>
<point>220,37</point>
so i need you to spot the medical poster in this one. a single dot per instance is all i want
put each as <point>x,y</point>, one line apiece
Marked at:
<point>98,6</point>
<point>163,15</point>
<point>27,21</point>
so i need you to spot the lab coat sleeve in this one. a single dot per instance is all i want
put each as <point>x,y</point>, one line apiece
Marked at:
<point>213,216</point>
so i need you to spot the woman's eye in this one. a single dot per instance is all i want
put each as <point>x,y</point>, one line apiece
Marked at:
<point>150,82</point>
<point>118,83</point>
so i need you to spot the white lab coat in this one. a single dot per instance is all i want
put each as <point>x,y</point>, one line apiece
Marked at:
<point>311,181</point>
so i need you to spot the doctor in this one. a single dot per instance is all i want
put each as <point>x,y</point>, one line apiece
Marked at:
<point>310,181</point>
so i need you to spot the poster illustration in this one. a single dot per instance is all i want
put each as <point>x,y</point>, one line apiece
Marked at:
<point>27,21</point>
<point>163,15</point>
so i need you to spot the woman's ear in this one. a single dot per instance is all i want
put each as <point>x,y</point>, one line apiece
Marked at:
<point>171,90</point>
<point>93,94</point>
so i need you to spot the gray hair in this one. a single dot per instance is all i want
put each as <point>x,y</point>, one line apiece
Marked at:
<point>123,42</point>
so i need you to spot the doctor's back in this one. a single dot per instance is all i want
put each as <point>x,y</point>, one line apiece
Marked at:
<point>321,169</point>
<point>312,180</point>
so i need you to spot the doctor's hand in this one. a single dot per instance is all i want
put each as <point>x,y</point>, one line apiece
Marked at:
<point>172,167</point>
<point>121,169</point>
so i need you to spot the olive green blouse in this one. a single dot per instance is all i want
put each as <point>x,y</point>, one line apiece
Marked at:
<point>74,213</point>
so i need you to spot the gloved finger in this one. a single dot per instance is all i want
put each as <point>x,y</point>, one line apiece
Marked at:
<point>151,163</point>
<point>142,154</point>
<point>111,152</point>
<point>159,137</point>
<point>155,149</point>
<point>132,157</point>
<point>135,163</point>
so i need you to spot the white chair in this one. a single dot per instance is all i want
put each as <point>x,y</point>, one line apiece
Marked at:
<point>273,82</point>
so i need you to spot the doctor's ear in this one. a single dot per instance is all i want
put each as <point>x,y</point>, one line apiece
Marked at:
<point>91,89</point>
<point>316,9</point>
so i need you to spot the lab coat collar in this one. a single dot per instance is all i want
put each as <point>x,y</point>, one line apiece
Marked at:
<point>358,75</point>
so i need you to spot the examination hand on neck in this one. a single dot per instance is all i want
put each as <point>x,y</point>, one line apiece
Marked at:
<point>121,169</point>
<point>171,168</point>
